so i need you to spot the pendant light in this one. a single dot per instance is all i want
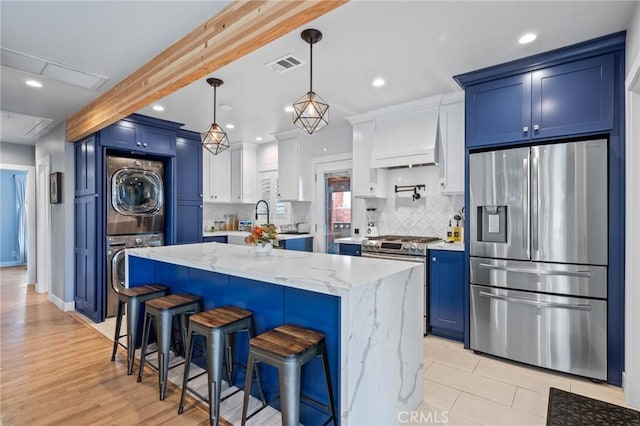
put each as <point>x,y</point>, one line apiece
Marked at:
<point>310,112</point>
<point>214,139</point>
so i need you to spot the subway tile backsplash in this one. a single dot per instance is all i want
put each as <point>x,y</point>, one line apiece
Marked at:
<point>428,216</point>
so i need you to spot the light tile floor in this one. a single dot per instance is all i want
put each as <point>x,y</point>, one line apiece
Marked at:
<point>462,388</point>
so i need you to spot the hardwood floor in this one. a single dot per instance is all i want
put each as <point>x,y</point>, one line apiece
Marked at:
<point>55,368</point>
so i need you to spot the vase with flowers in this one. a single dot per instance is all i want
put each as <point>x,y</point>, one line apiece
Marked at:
<point>263,238</point>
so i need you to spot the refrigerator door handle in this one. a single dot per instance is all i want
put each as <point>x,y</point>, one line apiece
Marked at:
<point>578,307</point>
<point>581,274</point>
<point>534,200</point>
<point>525,204</point>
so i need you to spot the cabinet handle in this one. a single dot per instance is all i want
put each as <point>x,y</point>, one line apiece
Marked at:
<point>442,184</point>
<point>215,196</point>
<point>525,129</point>
<point>200,195</point>
<point>144,144</point>
<point>138,144</point>
<point>200,205</point>
<point>536,127</point>
<point>433,259</point>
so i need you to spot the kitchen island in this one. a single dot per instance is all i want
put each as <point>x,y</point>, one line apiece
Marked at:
<point>370,311</point>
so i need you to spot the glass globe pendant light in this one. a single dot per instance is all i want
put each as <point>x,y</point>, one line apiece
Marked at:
<point>214,139</point>
<point>311,112</point>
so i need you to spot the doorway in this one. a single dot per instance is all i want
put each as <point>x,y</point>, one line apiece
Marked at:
<point>27,248</point>
<point>43,226</point>
<point>333,204</point>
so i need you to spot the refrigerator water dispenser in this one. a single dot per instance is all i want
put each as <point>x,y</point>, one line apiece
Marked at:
<point>492,224</point>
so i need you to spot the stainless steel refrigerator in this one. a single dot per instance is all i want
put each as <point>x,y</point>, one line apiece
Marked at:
<point>539,246</point>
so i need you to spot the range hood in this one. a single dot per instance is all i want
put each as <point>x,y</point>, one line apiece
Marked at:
<point>407,139</point>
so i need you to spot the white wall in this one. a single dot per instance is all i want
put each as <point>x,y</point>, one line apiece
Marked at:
<point>632,276</point>
<point>62,215</point>
<point>330,141</point>
<point>633,39</point>
<point>13,153</point>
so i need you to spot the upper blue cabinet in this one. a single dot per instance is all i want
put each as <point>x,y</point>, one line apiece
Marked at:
<point>134,135</point>
<point>563,93</point>
<point>562,100</point>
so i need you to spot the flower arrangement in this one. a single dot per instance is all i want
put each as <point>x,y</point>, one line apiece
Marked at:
<point>263,235</point>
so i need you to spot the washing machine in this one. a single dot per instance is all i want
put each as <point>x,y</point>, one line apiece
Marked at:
<point>116,275</point>
<point>135,196</point>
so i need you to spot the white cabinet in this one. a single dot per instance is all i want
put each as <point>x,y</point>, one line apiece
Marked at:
<point>367,182</point>
<point>216,172</point>
<point>244,176</point>
<point>451,162</point>
<point>294,168</point>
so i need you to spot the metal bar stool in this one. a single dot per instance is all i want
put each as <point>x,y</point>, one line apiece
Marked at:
<point>161,311</point>
<point>288,347</point>
<point>217,327</point>
<point>134,298</point>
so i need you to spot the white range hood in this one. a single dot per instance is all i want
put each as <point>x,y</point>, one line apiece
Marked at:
<point>406,139</point>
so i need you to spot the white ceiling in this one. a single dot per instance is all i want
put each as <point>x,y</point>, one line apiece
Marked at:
<point>415,46</point>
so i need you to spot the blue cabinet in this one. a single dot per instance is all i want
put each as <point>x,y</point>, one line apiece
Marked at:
<point>298,244</point>
<point>89,277</point>
<point>215,239</point>
<point>130,135</point>
<point>562,100</point>
<point>86,170</point>
<point>350,249</point>
<point>188,215</point>
<point>446,293</point>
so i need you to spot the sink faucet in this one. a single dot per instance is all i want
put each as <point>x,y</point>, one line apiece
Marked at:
<point>266,204</point>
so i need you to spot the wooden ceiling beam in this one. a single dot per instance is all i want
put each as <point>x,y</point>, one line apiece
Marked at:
<point>237,30</point>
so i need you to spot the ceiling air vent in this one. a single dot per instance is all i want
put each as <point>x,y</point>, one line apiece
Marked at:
<point>53,70</point>
<point>286,63</point>
<point>23,126</point>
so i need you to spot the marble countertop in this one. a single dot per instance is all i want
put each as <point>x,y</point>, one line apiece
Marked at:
<point>350,240</point>
<point>441,245</point>
<point>323,273</point>
<point>245,233</point>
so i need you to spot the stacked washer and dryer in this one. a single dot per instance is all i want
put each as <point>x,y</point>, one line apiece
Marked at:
<point>135,215</point>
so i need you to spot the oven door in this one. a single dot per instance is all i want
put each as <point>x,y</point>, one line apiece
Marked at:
<point>416,259</point>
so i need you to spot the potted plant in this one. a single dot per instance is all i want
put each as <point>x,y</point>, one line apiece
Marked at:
<point>263,238</point>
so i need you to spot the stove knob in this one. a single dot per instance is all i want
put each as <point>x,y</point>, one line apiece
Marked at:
<point>406,247</point>
<point>138,240</point>
<point>414,248</point>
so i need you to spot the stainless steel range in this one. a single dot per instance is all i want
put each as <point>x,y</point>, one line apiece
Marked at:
<point>405,248</point>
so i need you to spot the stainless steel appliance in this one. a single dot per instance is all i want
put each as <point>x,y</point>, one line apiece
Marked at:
<point>539,252</point>
<point>135,193</point>
<point>408,249</point>
<point>116,244</point>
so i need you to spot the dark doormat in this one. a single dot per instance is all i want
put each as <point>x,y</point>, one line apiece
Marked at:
<point>568,409</point>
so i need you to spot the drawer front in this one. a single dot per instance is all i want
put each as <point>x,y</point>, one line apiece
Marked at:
<point>561,333</point>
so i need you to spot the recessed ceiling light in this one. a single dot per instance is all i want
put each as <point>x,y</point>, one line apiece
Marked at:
<point>378,82</point>
<point>225,107</point>
<point>259,139</point>
<point>230,126</point>
<point>33,83</point>
<point>158,108</point>
<point>288,108</point>
<point>527,38</point>
<point>324,149</point>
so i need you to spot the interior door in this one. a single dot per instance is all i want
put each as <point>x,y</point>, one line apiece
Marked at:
<point>569,202</point>
<point>499,199</point>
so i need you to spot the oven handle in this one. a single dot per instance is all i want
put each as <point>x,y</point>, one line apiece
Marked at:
<point>582,274</point>
<point>578,307</point>
<point>415,259</point>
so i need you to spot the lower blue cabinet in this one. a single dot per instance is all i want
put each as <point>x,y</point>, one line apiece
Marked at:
<point>446,293</point>
<point>299,244</point>
<point>216,239</point>
<point>350,249</point>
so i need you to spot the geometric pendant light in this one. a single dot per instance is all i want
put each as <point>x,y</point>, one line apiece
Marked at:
<point>214,139</point>
<point>310,112</point>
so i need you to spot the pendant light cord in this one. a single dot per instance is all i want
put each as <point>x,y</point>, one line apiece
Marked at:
<point>311,67</point>
<point>214,104</point>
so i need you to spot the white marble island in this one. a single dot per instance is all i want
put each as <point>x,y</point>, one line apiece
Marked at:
<point>370,310</point>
